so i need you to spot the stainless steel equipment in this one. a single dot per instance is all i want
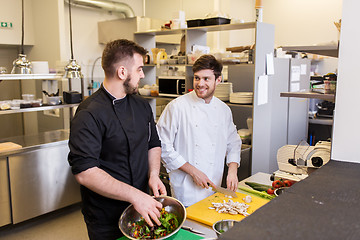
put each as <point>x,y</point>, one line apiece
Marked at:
<point>296,162</point>
<point>5,211</point>
<point>41,181</point>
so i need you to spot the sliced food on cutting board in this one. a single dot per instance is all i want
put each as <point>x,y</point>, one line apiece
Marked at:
<point>200,211</point>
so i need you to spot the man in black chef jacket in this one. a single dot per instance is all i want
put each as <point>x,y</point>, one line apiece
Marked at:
<point>114,147</point>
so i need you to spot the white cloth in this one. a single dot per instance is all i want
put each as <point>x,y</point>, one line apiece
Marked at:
<point>202,134</point>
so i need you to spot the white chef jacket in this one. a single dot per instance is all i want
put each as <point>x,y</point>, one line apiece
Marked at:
<point>202,134</point>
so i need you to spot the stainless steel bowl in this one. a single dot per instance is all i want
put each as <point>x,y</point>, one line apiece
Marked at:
<point>223,225</point>
<point>279,191</point>
<point>170,204</point>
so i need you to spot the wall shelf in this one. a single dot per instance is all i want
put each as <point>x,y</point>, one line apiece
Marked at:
<point>328,50</point>
<point>30,77</point>
<point>36,109</point>
<point>309,94</point>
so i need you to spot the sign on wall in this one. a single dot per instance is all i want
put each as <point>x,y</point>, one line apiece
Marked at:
<point>6,25</point>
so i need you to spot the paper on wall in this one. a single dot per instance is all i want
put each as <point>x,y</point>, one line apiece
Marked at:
<point>263,90</point>
<point>270,64</point>
<point>303,69</point>
<point>295,73</point>
<point>295,87</point>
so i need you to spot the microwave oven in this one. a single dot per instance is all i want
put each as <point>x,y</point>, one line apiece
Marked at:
<point>171,87</point>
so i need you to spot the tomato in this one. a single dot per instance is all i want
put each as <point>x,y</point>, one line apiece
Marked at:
<point>287,183</point>
<point>270,191</point>
<point>277,184</point>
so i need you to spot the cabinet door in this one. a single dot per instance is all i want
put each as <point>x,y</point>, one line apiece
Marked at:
<point>5,215</point>
<point>41,182</point>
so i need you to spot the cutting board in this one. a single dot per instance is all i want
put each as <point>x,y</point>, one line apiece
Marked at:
<point>181,235</point>
<point>8,146</point>
<point>200,211</point>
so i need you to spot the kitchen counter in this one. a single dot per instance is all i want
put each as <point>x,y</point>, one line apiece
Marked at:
<point>32,142</point>
<point>325,205</point>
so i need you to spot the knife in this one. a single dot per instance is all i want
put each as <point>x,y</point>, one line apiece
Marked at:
<point>224,191</point>
<point>192,230</point>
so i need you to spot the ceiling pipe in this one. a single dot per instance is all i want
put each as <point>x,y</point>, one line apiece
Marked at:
<point>105,5</point>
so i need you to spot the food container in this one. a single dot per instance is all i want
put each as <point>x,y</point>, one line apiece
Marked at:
<point>144,91</point>
<point>195,23</point>
<point>171,205</point>
<point>28,97</point>
<point>173,61</point>
<point>15,104</point>
<point>36,103</point>
<point>223,225</point>
<point>216,21</point>
<point>25,104</point>
<point>56,100</point>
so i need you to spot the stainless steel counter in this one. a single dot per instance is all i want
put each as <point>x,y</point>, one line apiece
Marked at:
<point>40,180</point>
<point>33,142</point>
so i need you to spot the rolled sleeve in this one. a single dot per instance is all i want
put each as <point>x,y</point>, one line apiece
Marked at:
<point>84,142</point>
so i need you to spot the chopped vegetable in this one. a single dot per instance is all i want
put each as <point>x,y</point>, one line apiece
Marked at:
<point>258,186</point>
<point>141,230</point>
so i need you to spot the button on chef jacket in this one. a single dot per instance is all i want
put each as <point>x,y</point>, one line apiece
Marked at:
<point>202,134</point>
<point>114,135</point>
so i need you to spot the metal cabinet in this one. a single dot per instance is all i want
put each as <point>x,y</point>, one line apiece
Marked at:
<point>41,181</point>
<point>5,210</point>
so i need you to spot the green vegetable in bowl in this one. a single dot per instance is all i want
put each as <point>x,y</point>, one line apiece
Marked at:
<point>141,230</point>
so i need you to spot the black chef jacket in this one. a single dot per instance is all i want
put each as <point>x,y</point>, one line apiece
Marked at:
<point>114,135</point>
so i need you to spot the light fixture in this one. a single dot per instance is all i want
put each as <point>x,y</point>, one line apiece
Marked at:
<point>72,69</point>
<point>21,65</point>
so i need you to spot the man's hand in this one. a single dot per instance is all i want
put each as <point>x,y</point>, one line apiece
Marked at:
<point>232,179</point>
<point>198,176</point>
<point>148,207</point>
<point>157,186</point>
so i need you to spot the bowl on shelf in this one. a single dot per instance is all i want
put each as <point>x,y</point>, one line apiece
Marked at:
<point>223,225</point>
<point>28,97</point>
<point>56,100</point>
<point>144,91</point>
<point>170,204</point>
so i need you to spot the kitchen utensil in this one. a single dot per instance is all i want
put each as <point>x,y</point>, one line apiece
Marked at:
<point>200,211</point>
<point>224,191</point>
<point>279,191</point>
<point>192,230</point>
<point>170,204</point>
<point>223,225</point>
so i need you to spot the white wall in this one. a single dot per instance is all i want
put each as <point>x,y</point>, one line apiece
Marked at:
<point>346,130</point>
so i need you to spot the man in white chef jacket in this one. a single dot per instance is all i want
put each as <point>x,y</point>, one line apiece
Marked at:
<point>197,133</point>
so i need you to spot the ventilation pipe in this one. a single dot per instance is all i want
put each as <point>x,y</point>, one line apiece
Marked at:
<point>105,5</point>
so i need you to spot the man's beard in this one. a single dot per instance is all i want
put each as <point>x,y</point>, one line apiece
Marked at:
<point>128,88</point>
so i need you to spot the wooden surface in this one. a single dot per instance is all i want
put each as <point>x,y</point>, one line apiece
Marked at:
<point>8,146</point>
<point>200,211</point>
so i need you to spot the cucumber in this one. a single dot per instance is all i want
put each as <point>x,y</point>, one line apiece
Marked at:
<point>257,193</point>
<point>258,186</point>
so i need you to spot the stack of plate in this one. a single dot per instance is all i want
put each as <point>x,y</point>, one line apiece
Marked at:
<point>223,91</point>
<point>241,97</point>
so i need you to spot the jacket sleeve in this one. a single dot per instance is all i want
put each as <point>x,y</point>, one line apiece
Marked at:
<point>168,127</point>
<point>233,149</point>
<point>84,142</point>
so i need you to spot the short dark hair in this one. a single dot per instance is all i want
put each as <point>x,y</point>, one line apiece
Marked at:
<point>208,62</point>
<point>119,50</point>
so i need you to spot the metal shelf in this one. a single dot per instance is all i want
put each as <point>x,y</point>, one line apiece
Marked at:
<point>321,121</point>
<point>329,50</point>
<point>309,94</point>
<point>30,76</point>
<point>213,28</point>
<point>36,109</point>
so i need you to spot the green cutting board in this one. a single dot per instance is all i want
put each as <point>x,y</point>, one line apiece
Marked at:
<point>181,235</point>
